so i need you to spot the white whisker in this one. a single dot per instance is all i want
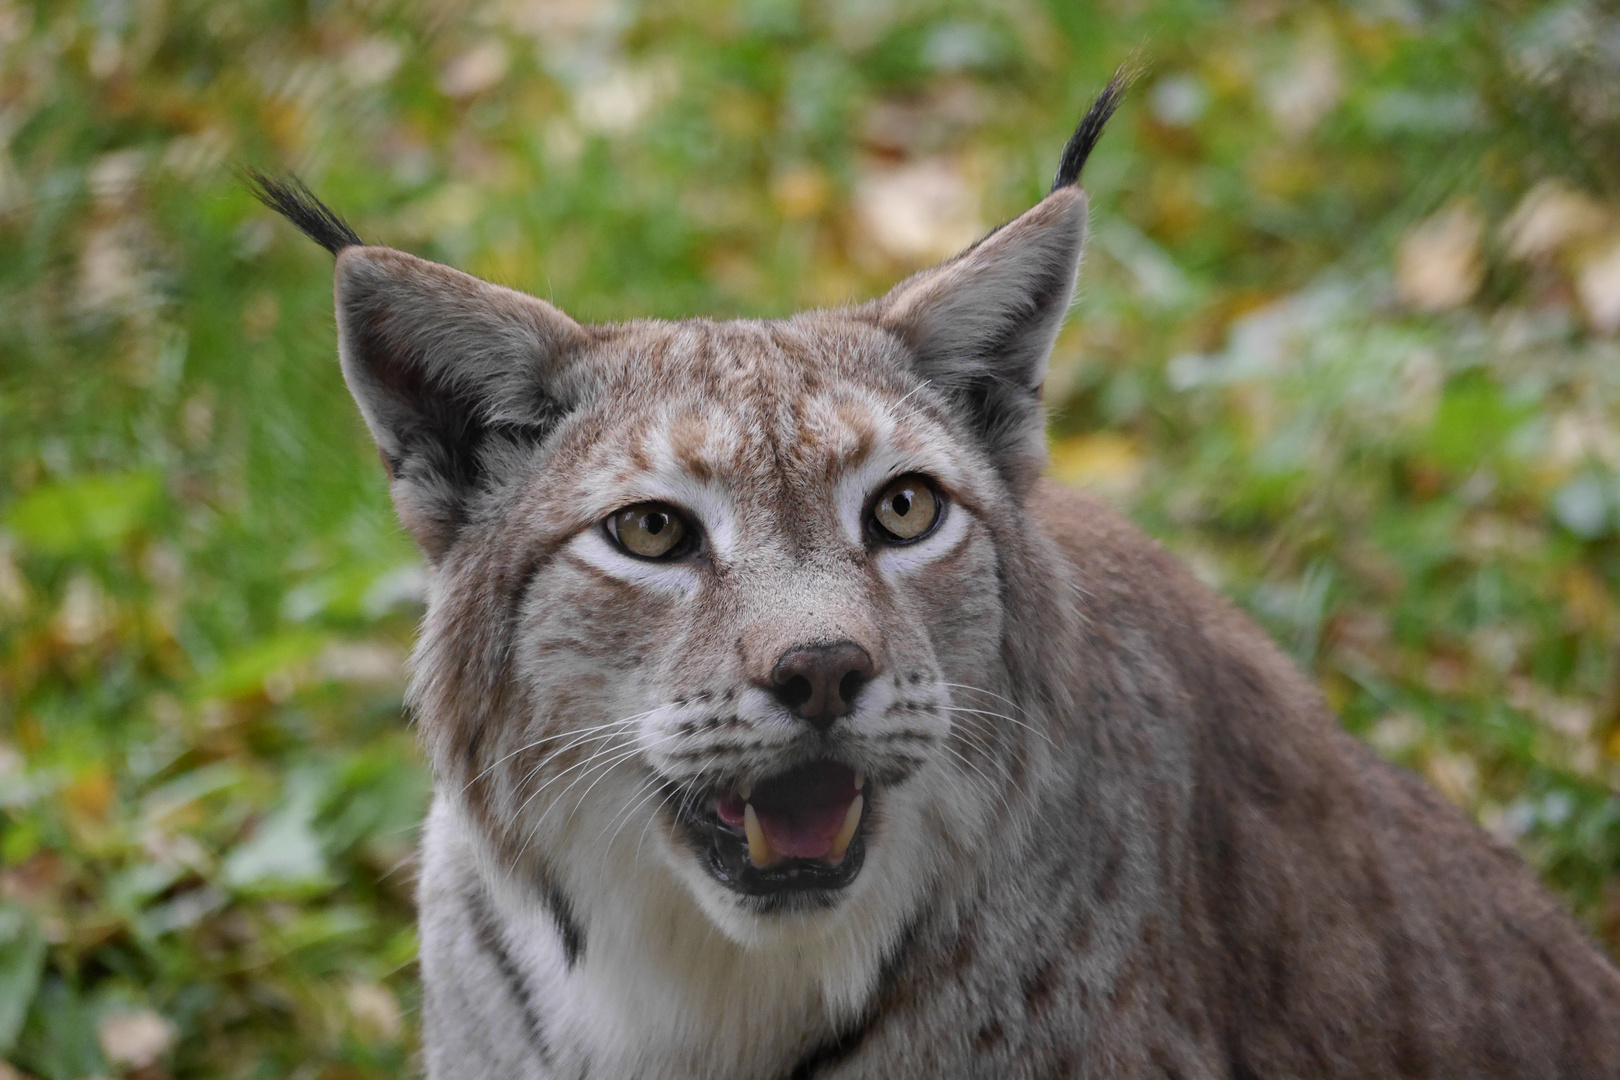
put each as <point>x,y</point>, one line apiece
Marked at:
<point>558,735</point>
<point>991,787</point>
<point>1003,716</point>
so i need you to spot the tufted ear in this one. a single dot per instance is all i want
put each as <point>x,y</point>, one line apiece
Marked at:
<point>980,326</point>
<point>450,372</point>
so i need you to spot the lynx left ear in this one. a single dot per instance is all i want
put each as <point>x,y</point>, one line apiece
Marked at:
<point>980,327</point>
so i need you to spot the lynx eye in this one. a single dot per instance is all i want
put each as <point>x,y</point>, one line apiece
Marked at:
<point>650,531</point>
<point>906,510</point>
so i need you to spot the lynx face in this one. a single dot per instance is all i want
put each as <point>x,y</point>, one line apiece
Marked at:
<point>756,636</point>
<point>717,607</point>
<point>765,581</point>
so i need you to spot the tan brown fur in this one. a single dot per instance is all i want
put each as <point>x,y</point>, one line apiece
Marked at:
<point>1318,913</point>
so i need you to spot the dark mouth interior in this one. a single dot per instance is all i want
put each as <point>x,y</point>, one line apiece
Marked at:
<point>796,832</point>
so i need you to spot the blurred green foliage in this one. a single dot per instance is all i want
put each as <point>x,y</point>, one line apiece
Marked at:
<point>1345,341</point>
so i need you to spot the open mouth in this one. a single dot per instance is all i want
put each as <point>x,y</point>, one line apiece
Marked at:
<point>801,831</point>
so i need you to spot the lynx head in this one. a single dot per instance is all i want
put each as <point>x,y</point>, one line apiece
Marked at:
<point>720,609</point>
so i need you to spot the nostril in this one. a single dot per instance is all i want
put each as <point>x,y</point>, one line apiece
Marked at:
<point>849,686</point>
<point>796,691</point>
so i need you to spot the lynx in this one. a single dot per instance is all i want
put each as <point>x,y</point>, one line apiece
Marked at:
<point>786,723</point>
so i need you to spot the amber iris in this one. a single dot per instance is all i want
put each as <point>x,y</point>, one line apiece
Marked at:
<point>649,530</point>
<point>906,510</point>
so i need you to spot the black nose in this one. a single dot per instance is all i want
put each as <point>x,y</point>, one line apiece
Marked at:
<point>818,683</point>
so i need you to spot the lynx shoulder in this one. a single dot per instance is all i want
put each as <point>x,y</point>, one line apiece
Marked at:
<point>785,723</point>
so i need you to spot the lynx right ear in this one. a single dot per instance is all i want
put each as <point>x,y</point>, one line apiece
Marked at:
<point>980,327</point>
<point>446,368</point>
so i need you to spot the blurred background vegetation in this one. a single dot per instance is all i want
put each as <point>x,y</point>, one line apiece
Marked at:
<point>1346,341</point>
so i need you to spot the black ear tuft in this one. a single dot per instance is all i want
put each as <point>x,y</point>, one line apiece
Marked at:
<point>1090,130</point>
<point>292,199</point>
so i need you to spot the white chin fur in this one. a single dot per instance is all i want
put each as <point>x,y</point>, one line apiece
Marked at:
<point>675,961</point>
<point>845,944</point>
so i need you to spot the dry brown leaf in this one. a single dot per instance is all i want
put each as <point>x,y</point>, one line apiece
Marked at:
<point>1438,265</point>
<point>918,213</point>
<point>134,1039</point>
<point>1549,217</point>
<point>800,192</point>
<point>476,70</point>
<point>376,1013</point>
<point>1102,460</point>
<point>1597,282</point>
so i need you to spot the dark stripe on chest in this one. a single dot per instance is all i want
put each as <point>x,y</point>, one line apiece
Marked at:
<point>832,1051</point>
<point>562,913</point>
<point>844,1044</point>
<point>494,945</point>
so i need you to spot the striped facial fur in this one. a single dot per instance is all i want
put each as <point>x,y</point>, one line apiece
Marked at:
<point>794,709</point>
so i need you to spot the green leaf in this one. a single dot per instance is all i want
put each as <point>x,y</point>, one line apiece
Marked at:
<point>285,854</point>
<point>1473,421</point>
<point>22,961</point>
<point>84,514</point>
<point>60,1040</point>
<point>245,671</point>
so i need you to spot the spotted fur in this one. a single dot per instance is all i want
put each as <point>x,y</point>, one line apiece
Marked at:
<point>1113,832</point>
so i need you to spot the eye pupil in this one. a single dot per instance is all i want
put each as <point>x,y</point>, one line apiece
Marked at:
<point>654,523</point>
<point>902,503</point>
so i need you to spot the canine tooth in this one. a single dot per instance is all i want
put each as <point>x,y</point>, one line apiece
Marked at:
<point>852,821</point>
<point>759,849</point>
<point>860,781</point>
<point>745,792</point>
